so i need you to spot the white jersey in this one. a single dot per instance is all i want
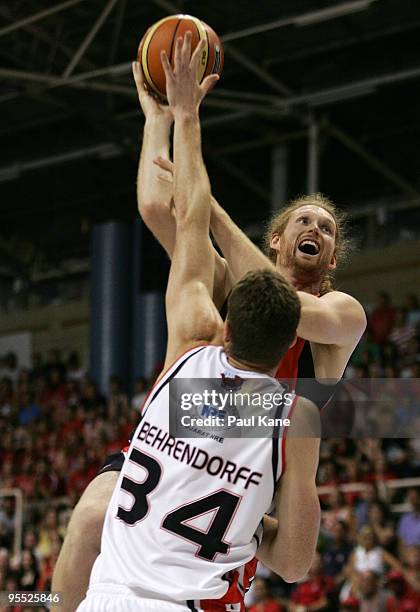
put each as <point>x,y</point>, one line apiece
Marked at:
<point>186,513</point>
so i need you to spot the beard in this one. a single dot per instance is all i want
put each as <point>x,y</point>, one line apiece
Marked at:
<point>304,271</point>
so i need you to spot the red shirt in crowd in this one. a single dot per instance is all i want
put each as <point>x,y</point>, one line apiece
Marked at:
<point>268,606</point>
<point>312,590</point>
<point>381,323</point>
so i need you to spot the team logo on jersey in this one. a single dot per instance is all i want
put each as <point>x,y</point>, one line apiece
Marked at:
<point>231,382</point>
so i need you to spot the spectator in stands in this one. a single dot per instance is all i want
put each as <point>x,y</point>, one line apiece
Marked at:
<point>350,604</point>
<point>413,309</point>
<point>75,372</point>
<point>7,522</point>
<point>409,524</point>
<point>6,397</point>
<point>401,599</point>
<point>367,351</point>
<point>140,393</point>
<point>354,474</point>
<point>367,555</point>
<point>30,540</point>
<point>327,474</point>
<point>10,367</point>
<point>118,400</point>
<point>38,368</point>
<point>369,495</point>
<point>55,362</point>
<point>48,534</point>
<point>338,510</point>
<point>4,561</point>
<point>381,470</point>
<point>411,358</point>
<point>402,332</point>
<point>47,565</point>
<point>28,408</point>
<point>382,525</point>
<point>372,597</point>
<point>263,601</point>
<point>91,399</point>
<point>337,553</point>
<point>316,591</point>
<point>382,319</point>
<point>28,573</point>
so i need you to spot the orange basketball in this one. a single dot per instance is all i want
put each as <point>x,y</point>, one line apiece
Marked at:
<point>162,35</point>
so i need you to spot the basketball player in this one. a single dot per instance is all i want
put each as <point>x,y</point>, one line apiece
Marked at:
<point>176,532</point>
<point>330,327</point>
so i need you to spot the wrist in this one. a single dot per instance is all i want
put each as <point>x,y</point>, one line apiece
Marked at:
<point>164,120</point>
<point>187,115</point>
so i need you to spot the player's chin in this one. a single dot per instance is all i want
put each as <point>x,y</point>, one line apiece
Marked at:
<point>307,261</point>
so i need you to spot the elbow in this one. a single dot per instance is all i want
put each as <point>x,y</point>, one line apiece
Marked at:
<point>292,572</point>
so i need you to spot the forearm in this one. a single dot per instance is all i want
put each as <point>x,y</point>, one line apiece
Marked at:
<point>151,189</point>
<point>191,183</point>
<point>293,547</point>
<point>264,551</point>
<point>288,546</point>
<point>239,251</point>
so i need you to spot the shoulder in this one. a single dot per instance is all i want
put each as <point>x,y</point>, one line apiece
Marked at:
<point>341,299</point>
<point>346,306</point>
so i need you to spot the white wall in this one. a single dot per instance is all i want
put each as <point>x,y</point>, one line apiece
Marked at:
<point>395,269</point>
<point>63,326</point>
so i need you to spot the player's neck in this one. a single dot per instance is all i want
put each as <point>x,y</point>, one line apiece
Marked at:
<point>249,367</point>
<point>300,281</point>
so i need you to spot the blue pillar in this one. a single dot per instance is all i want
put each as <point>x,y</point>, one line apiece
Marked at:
<point>149,340</point>
<point>111,302</point>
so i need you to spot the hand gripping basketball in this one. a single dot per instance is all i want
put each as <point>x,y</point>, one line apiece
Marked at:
<point>183,92</point>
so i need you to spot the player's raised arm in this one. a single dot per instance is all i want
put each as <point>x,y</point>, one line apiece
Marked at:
<point>241,254</point>
<point>335,318</point>
<point>289,543</point>
<point>191,315</point>
<point>154,195</point>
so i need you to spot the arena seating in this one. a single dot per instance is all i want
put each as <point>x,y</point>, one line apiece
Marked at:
<point>57,429</point>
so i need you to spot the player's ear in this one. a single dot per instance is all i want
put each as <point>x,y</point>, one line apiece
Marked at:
<point>226,332</point>
<point>333,263</point>
<point>275,241</point>
<point>293,342</point>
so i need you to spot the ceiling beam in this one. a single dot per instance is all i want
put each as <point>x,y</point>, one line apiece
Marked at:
<point>41,34</point>
<point>254,186</point>
<point>252,66</point>
<point>355,89</point>
<point>313,99</point>
<point>17,25</point>
<point>89,38</point>
<point>301,19</point>
<point>375,163</point>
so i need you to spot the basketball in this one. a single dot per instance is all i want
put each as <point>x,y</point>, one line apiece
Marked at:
<point>162,35</point>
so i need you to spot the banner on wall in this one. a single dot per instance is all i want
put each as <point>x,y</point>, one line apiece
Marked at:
<point>21,345</point>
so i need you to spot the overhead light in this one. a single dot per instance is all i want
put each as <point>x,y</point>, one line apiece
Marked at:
<point>348,8</point>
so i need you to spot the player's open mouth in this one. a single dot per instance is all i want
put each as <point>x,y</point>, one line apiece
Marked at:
<point>309,247</point>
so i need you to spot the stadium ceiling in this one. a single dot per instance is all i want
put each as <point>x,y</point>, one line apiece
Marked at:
<point>333,86</point>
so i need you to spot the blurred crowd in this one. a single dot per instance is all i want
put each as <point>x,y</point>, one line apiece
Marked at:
<point>57,429</point>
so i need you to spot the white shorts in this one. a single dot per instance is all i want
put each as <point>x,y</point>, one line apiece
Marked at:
<point>122,599</point>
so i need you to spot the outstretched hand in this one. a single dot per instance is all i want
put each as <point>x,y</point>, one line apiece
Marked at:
<point>150,106</point>
<point>183,92</point>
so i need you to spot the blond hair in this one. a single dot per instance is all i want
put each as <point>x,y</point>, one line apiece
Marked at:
<point>278,224</point>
